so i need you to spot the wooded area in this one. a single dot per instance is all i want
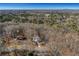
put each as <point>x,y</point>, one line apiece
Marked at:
<point>39,33</point>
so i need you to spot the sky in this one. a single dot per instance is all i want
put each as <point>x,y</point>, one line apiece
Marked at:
<point>39,5</point>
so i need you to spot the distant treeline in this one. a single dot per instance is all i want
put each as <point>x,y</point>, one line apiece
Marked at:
<point>56,20</point>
